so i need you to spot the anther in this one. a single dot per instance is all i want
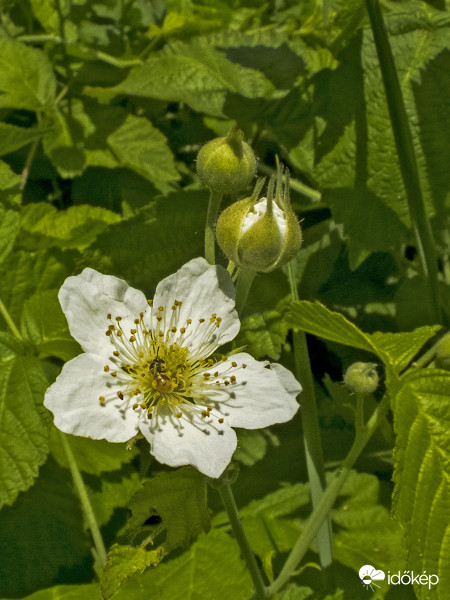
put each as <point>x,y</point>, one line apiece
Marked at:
<point>120,395</point>
<point>132,338</point>
<point>101,399</point>
<point>108,316</point>
<point>183,330</point>
<point>136,321</point>
<point>234,364</point>
<point>189,321</point>
<point>244,366</point>
<point>173,330</point>
<point>106,368</point>
<point>132,331</point>
<point>116,353</point>
<point>201,320</point>
<point>150,302</point>
<point>160,308</point>
<point>113,374</point>
<point>179,415</point>
<point>221,420</point>
<point>118,319</point>
<point>232,378</point>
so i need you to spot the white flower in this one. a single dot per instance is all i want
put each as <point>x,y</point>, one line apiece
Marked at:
<point>148,367</point>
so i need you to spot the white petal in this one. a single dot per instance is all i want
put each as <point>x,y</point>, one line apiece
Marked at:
<point>260,396</point>
<point>86,301</point>
<point>74,401</point>
<point>191,440</point>
<point>204,290</point>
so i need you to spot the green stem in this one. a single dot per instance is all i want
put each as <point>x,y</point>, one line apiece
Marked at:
<point>84,499</point>
<point>407,159</point>
<point>229,503</point>
<point>210,238</point>
<point>9,321</point>
<point>312,438</point>
<point>244,283</point>
<point>326,502</point>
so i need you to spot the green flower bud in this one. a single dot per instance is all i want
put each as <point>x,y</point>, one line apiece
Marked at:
<point>226,165</point>
<point>442,360</point>
<point>361,378</point>
<point>261,234</point>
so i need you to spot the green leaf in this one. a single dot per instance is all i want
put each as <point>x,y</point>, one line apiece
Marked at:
<point>43,324</point>
<point>30,272</point>
<point>12,138</point>
<point>194,73</point>
<point>24,422</point>
<point>422,473</point>
<point>124,562</point>
<point>211,568</point>
<point>89,591</point>
<point>179,498</point>
<point>9,186</point>
<point>252,446</point>
<point>294,592</point>
<point>63,144</point>
<point>143,148</point>
<point>26,77</point>
<point>394,349</point>
<point>41,534</point>
<point>9,228</point>
<point>45,226</point>
<point>92,456</point>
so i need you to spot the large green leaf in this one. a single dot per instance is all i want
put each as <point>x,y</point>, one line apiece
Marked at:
<point>12,137</point>
<point>24,422</point>
<point>422,474</point>
<point>179,498</point>
<point>44,226</point>
<point>9,228</point>
<point>211,569</point>
<point>194,73</point>
<point>41,535</point>
<point>143,148</point>
<point>26,76</point>
<point>89,591</point>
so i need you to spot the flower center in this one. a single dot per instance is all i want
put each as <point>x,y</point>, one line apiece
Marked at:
<point>154,361</point>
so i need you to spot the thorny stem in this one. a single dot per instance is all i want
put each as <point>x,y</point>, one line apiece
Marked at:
<point>229,503</point>
<point>326,502</point>
<point>312,438</point>
<point>407,160</point>
<point>84,499</point>
<point>210,240</point>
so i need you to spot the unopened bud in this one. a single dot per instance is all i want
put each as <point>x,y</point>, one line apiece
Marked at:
<point>226,165</point>
<point>361,378</point>
<point>261,234</point>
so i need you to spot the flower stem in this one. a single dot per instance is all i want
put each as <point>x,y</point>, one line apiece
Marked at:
<point>244,283</point>
<point>9,321</point>
<point>229,503</point>
<point>407,160</point>
<point>210,239</point>
<point>328,498</point>
<point>312,439</point>
<point>84,499</point>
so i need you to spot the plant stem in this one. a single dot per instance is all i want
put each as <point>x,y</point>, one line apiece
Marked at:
<point>84,499</point>
<point>312,439</point>
<point>326,502</point>
<point>407,160</point>
<point>244,283</point>
<point>28,163</point>
<point>210,239</point>
<point>229,503</point>
<point>9,321</point>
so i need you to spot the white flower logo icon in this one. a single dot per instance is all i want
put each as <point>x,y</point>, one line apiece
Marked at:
<point>369,575</point>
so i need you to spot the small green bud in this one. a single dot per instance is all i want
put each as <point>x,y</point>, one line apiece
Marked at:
<point>261,234</point>
<point>361,378</point>
<point>442,360</point>
<point>226,165</point>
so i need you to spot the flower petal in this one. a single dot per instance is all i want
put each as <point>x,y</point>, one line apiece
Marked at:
<point>190,440</point>
<point>204,290</point>
<point>86,301</point>
<point>74,401</point>
<point>259,397</point>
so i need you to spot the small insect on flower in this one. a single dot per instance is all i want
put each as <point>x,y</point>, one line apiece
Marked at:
<point>149,366</point>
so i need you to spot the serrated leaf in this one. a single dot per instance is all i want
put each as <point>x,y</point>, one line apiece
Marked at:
<point>45,226</point>
<point>9,228</point>
<point>202,573</point>
<point>294,592</point>
<point>26,76</point>
<point>263,334</point>
<point>24,422</point>
<point>252,446</point>
<point>194,73</point>
<point>122,563</point>
<point>44,523</point>
<point>422,473</point>
<point>44,325</point>
<point>92,456</point>
<point>143,148</point>
<point>63,145</point>
<point>179,498</point>
<point>395,349</point>
<point>12,138</point>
